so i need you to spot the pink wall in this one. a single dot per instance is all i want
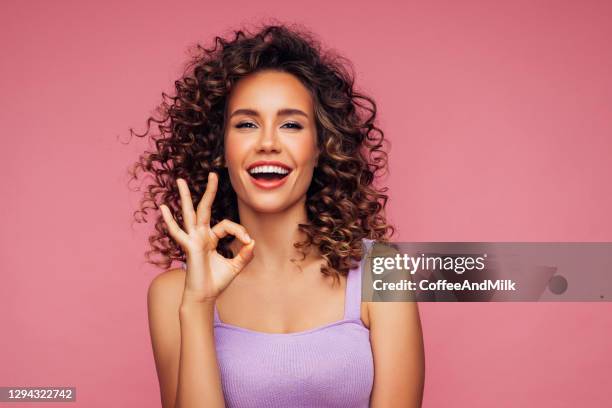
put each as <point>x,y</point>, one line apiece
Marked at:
<point>499,117</point>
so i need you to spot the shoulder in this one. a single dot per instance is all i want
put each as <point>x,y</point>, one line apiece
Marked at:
<point>166,288</point>
<point>385,315</point>
<point>164,299</point>
<point>167,280</point>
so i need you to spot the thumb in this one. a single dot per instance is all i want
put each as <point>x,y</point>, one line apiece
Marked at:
<point>244,256</point>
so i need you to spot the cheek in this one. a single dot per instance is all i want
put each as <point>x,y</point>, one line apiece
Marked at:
<point>304,151</point>
<point>233,152</point>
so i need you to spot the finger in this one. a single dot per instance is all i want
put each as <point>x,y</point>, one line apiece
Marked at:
<point>189,216</point>
<point>173,228</point>
<point>244,256</point>
<point>205,205</point>
<point>226,227</point>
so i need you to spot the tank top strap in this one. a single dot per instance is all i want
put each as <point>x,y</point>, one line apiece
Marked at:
<point>352,306</point>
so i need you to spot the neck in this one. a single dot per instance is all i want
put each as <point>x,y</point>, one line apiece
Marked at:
<point>274,235</point>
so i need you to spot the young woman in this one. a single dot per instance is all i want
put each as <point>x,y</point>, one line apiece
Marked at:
<point>264,175</point>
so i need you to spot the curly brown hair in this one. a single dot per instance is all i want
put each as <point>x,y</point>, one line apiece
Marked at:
<point>342,203</point>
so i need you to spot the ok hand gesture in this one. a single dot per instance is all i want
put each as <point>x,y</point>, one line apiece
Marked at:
<point>208,272</point>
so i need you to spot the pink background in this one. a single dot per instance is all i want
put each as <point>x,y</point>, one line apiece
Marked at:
<point>499,118</point>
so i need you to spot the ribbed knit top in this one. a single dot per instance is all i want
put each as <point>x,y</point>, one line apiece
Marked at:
<point>328,366</point>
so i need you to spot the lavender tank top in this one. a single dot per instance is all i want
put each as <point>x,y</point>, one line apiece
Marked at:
<point>328,366</point>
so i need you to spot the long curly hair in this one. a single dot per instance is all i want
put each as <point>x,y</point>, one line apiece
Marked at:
<point>342,203</point>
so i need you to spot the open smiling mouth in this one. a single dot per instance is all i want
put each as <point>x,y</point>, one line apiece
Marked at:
<point>269,176</point>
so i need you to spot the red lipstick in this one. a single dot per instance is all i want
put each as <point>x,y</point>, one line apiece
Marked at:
<point>269,179</point>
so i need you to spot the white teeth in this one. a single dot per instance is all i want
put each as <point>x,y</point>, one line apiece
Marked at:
<point>268,169</point>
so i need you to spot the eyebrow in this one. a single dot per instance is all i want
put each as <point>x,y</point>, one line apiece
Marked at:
<point>280,112</point>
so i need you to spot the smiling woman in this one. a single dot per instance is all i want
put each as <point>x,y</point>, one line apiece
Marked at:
<point>274,146</point>
<point>264,175</point>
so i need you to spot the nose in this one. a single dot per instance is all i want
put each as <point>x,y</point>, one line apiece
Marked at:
<point>268,141</point>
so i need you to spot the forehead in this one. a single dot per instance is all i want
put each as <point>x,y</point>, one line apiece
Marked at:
<point>268,91</point>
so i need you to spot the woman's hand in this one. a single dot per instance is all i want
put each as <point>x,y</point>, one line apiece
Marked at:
<point>208,272</point>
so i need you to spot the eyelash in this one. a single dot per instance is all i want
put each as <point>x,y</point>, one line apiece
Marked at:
<point>297,125</point>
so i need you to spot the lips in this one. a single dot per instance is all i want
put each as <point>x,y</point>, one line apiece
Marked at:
<point>268,163</point>
<point>268,174</point>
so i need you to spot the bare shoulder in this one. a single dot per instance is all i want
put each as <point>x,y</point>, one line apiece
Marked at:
<point>164,298</point>
<point>397,311</point>
<point>167,287</point>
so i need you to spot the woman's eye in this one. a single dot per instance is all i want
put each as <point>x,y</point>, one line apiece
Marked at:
<point>244,124</point>
<point>290,125</point>
<point>293,125</point>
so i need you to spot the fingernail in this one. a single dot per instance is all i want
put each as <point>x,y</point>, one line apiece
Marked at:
<point>247,238</point>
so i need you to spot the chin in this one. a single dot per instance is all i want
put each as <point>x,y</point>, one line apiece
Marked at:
<point>268,205</point>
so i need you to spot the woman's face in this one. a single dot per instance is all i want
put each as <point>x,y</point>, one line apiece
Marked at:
<point>270,140</point>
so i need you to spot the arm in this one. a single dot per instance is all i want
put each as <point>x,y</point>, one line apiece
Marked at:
<point>181,308</point>
<point>183,345</point>
<point>399,361</point>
